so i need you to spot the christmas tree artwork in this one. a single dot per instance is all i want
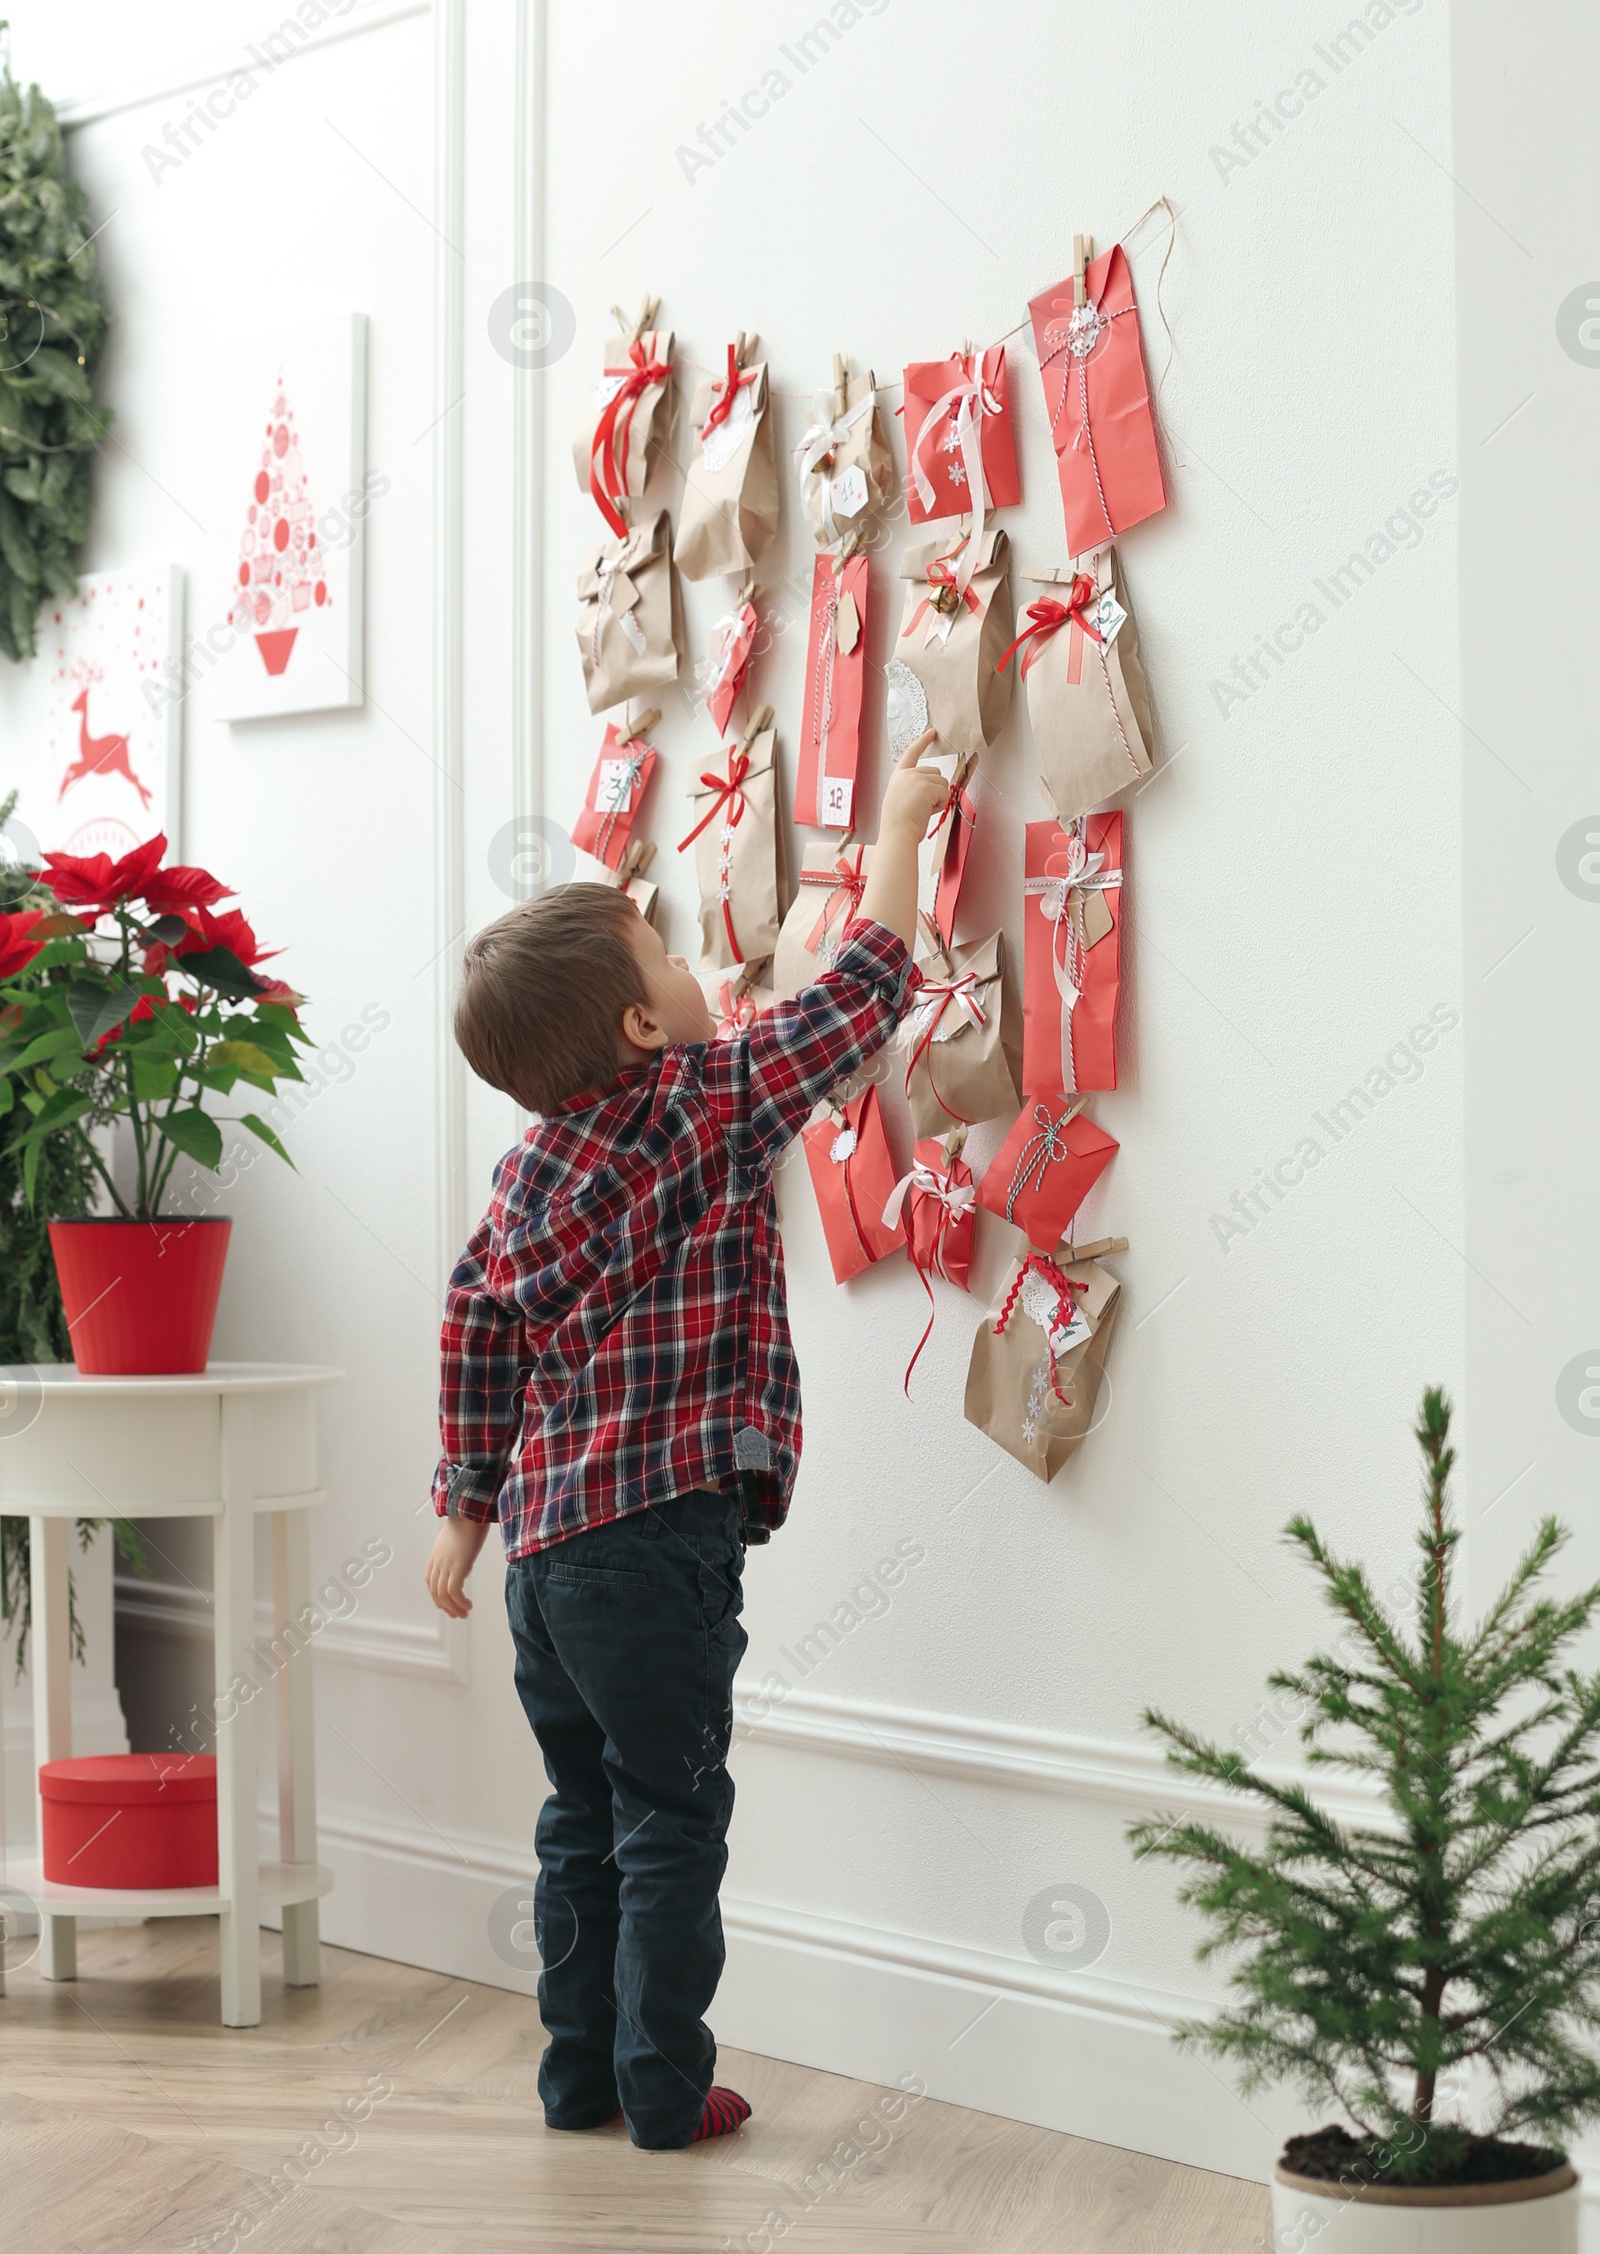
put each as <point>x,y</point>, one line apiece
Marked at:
<point>281,569</point>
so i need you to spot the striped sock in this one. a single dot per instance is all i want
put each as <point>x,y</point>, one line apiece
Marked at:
<point>723,2112</point>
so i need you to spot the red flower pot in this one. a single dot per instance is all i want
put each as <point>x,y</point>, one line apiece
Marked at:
<point>141,1296</point>
<point>275,647</point>
<point>130,1819</point>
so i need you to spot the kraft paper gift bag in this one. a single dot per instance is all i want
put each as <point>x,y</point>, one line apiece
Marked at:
<point>1040,1353</point>
<point>951,638</point>
<point>1097,397</point>
<point>616,791</point>
<point>1045,1169</point>
<point>936,1201</point>
<point>1087,701</point>
<point>846,468</point>
<point>836,669</point>
<point>729,510</point>
<point>1072,954</point>
<point>832,877</point>
<point>630,625</point>
<point>735,840</point>
<point>629,422</point>
<point>724,669</point>
<point>631,878</point>
<point>853,1176</point>
<point>960,453</point>
<point>956,1037</point>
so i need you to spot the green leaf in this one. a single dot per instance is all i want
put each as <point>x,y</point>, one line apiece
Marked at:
<point>95,1009</point>
<point>220,968</point>
<point>260,1127</point>
<point>8,1097</point>
<point>154,1077</point>
<point>242,1056</point>
<point>196,1133</point>
<point>55,1043</point>
<point>280,1015</point>
<point>62,1109</point>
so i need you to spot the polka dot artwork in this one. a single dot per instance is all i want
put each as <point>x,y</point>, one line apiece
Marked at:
<point>281,572</point>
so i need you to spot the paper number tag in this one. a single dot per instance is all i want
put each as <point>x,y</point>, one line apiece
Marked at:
<point>849,492</point>
<point>837,792</point>
<point>615,790</point>
<point>1109,618</point>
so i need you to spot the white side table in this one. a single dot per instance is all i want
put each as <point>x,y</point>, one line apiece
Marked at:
<point>237,1440</point>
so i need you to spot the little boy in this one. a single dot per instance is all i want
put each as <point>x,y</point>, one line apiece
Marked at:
<point>620,1392</point>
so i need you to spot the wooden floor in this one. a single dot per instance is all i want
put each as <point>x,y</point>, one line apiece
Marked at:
<point>129,2119</point>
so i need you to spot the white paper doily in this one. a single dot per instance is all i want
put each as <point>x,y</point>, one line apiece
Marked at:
<point>907,705</point>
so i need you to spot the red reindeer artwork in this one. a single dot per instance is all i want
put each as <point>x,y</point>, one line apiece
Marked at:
<point>98,755</point>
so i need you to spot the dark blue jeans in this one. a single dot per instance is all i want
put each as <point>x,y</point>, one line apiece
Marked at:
<point>627,1638</point>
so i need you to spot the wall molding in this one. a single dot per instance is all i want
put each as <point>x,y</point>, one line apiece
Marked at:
<point>452,1221</point>
<point>527,426</point>
<point>368,15</point>
<point>1118,1773</point>
<point>435,1650</point>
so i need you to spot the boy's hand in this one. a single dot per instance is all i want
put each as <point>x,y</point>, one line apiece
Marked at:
<point>454,1554</point>
<point>913,796</point>
<point>914,793</point>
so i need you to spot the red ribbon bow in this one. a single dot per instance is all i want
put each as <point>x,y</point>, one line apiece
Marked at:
<point>730,802</point>
<point>1063,1286</point>
<point>738,1013</point>
<point>1048,617</point>
<point>609,483</point>
<point>941,573</point>
<point>723,406</point>
<point>846,885</point>
<point>726,787</point>
<point>943,992</point>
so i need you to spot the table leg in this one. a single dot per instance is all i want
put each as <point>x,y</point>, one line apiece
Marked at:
<point>49,1548</point>
<point>297,1785</point>
<point>233,1533</point>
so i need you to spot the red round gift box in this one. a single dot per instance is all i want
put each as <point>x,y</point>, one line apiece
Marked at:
<point>130,1820</point>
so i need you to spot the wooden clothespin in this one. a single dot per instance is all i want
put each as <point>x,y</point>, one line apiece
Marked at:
<point>749,591</point>
<point>936,945</point>
<point>1082,252</point>
<point>841,384</point>
<point>632,730</point>
<point>641,852</point>
<point>1051,575</point>
<point>761,722</point>
<point>955,1143</point>
<point>846,549</point>
<point>1093,1251</point>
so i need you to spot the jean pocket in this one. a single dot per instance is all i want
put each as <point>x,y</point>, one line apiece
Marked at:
<point>721,1589</point>
<point>623,1579</point>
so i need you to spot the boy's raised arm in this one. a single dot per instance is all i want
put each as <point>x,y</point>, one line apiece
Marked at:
<point>801,1048</point>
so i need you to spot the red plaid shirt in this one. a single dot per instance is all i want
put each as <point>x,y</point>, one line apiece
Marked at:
<point>617,1332</point>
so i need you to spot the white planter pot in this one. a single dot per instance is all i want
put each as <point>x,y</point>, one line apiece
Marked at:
<point>1537,2216</point>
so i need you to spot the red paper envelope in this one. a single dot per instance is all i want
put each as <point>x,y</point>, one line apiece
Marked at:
<point>1072,954</point>
<point>853,1174</point>
<point>721,673</point>
<point>616,792</point>
<point>1098,400</point>
<point>958,432</point>
<point>836,666</point>
<point>937,1199</point>
<point>1045,1169</point>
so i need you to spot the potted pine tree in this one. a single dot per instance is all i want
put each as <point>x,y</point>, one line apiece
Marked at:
<point>1433,1973</point>
<point>128,993</point>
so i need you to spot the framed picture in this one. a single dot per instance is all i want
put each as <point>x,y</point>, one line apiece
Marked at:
<point>292,495</point>
<point>90,733</point>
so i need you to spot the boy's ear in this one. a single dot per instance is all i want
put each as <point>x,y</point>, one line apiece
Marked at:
<point>640,1030</point>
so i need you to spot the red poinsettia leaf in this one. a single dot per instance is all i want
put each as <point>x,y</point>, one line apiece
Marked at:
<point>178,888</point>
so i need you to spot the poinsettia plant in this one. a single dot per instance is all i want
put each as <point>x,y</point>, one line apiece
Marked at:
<point>127,992</point>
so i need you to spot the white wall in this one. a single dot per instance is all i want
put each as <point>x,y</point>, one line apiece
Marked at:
<point>1294,911</point>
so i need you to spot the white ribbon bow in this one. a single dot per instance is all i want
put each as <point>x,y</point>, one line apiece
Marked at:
<point>722,645</point>
<point>940,994</point>
<point>1054,895</point>
<point>607,572</point>
<point>825,435</point>
<point>972,400</point>
<point>956,1200</point>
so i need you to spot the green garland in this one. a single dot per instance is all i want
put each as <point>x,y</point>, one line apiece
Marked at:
<point>52,329</point>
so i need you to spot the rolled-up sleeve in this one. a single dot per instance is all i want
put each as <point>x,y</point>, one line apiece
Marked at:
<point>481,1381</point>
<point>771,1077</point>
